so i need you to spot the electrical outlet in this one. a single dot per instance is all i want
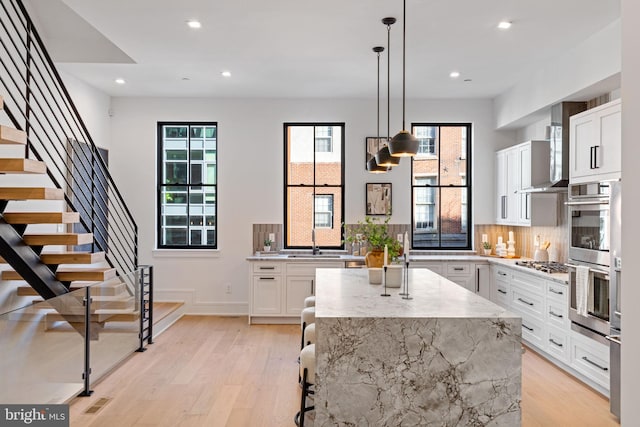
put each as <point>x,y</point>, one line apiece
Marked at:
<point>272,237</point>
<point>228,289</point>
<point>400,237</point>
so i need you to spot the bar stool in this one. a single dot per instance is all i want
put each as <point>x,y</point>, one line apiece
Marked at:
<point>308,374</point>
<point>310,301</point>
<point>307,317</point>
<point>310,334</point>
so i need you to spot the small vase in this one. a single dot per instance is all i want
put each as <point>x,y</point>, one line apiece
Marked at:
<point>487,251</point>
<point>374,258</point>
<point>394,276</point>
<point>267,248</point>
<point>375,276</point>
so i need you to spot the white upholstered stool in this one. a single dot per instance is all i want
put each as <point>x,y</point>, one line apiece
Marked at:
<point>308,375</point>
<point>310,334</point>
<point>310,301</point>
<point>307,317</point>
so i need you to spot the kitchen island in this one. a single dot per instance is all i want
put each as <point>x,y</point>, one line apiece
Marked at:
<point>445,357</point>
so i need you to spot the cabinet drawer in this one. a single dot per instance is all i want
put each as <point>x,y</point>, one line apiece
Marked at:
<point>590,358</point>
<point>436,267</point>
<point>459,269</point>
<point>502,296</point>
<point>267,267</point>
<point>557,292</point>
<point>533,332</point>
<point>556,314</point>
<point>501,273</point>
<point>531,283</point>
<point>526,302</point>
<point>558,344</point>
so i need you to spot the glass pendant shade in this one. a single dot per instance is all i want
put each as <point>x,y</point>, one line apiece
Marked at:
<point>373,167</point>
<point>404,144</point>
<point>384,158</point>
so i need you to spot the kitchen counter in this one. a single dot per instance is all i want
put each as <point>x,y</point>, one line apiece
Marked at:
<point>447,356</point>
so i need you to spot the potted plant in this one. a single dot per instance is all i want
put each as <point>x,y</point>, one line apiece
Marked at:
<point>375,234</point>
<point>487,248</point>
<point>267,244</point>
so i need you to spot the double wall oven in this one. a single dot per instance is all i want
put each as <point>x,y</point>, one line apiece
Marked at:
<point>595,255</point>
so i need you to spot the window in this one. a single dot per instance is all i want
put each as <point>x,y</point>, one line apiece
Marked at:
<point>441,187</point>
<point>426,140</point>
<point>314,184</point>
<point>324,211</point>
<point>187,185</point>
<point>324,139</point>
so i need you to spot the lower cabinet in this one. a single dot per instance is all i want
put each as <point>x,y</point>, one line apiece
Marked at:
<point>279,289</point>
<point>471,276</point>
<point>543,306</point>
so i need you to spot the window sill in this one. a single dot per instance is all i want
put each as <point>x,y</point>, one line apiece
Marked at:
<point>187,253</point>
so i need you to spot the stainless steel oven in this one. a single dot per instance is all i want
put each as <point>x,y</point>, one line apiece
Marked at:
<point>595,323</point>
<point>590,222</point>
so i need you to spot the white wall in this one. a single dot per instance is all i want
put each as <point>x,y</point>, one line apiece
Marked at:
<point>251,176</point>
<point>592,64</point>
<point>630,94</point>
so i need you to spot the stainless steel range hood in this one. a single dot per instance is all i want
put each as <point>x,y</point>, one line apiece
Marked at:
<point>559,146</point>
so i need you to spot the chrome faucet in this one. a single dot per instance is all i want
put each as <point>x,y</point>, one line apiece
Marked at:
<point>314,249</point>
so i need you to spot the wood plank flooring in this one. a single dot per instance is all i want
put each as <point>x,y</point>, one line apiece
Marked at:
<point>219,371</point>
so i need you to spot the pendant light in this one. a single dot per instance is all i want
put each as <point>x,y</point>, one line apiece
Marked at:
<point>404,144</point>
<point>383,157</point>
<point>372,164</point>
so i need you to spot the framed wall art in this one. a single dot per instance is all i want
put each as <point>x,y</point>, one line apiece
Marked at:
<point>378,200</point>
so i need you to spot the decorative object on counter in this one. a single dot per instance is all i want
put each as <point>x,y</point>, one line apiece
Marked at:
<point>406,245</point>
<point>383,156</point>
<point>267,244</point>
<point>372,163</point>
<point>394,275</point>
<point>405,283</point>
<point>375,276</point>
<point>403,144</point>
<point>375,235</point>
<point>378,199</point>
<point>385,294</point>
<point>541,253</point>
<point>486,246</point>
<point>501,248</point>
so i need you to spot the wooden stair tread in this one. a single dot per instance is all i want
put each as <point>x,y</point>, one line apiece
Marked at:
<point>12,136</point>
<point>105,315</point>
<point>97,274</point>
<point>31,193</point>
<point>57,258</point>
<point>22,166</point>
<point>103,290</point>
<point>41,217</point>
<point>72,239</point>
<point>99,303</point>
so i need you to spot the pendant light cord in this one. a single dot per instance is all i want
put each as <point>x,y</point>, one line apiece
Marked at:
<point>404,30</point>
<point>378,120</point>
<point>388,83</point>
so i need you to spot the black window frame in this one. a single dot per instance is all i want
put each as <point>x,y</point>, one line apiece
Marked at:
<point>160,185</point>
<point>286,180</point>
<point>468,185</point>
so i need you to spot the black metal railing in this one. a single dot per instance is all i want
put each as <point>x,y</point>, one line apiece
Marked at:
<point>37,101</point>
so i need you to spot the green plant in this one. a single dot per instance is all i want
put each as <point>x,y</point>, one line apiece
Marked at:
<point>268,242</point>
<point>486,245</point>
<point>375,234</point>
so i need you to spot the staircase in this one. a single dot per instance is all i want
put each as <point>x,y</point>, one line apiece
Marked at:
<point>58,271</point>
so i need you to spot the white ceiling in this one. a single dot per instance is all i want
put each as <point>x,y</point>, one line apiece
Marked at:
<point>301,48</point>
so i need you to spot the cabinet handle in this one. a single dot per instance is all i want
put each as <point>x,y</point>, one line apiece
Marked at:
<point>267,268</point>
<point>591,157</point>
<point>311,286</point>
<point>559,316</point>
<point>458,268</point>
<point>267,278</point>
<point>552,341</point>
<point>526,206</point>
<point>501,273</point>
<point>586,359</point>
<point>504,207</point>
<point>502,292</point>
<point>527,328</point>
<point>595,157</point>
<point>556,292</point>
<point>477,280</point>
<point>525,301</point>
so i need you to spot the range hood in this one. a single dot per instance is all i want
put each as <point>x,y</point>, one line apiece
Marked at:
<point>559,146</point>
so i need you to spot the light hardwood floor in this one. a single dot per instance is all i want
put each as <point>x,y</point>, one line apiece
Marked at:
<point>218,371</point>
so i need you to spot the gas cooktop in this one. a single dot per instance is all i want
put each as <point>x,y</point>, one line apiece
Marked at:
<point>544,266</point>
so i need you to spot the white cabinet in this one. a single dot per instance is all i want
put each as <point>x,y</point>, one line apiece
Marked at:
<point>501,285</point>
<point>471,276</point>
<point>595,139</point>
<point>518,168</point>
<point>590,358</point>
<point>279,288</point>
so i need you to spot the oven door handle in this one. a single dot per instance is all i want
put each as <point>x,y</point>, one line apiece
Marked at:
<point>593,202</point>
<point>592,270</point>
<point>614,338</point>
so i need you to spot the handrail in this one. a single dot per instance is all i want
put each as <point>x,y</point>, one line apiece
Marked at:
<point>39,103</point>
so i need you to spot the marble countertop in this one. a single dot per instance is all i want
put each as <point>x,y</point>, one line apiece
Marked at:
<point>347,293</point>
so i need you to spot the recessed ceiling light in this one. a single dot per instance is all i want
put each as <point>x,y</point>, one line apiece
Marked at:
<point>454,74</point>
<point>120,81</point>
<point>194,24</point>
<point>226,74</point>
<point>504,25</point>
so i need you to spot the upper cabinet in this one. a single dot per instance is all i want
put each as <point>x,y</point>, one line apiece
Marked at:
<point>519,168</point>
<point>595,139</point>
